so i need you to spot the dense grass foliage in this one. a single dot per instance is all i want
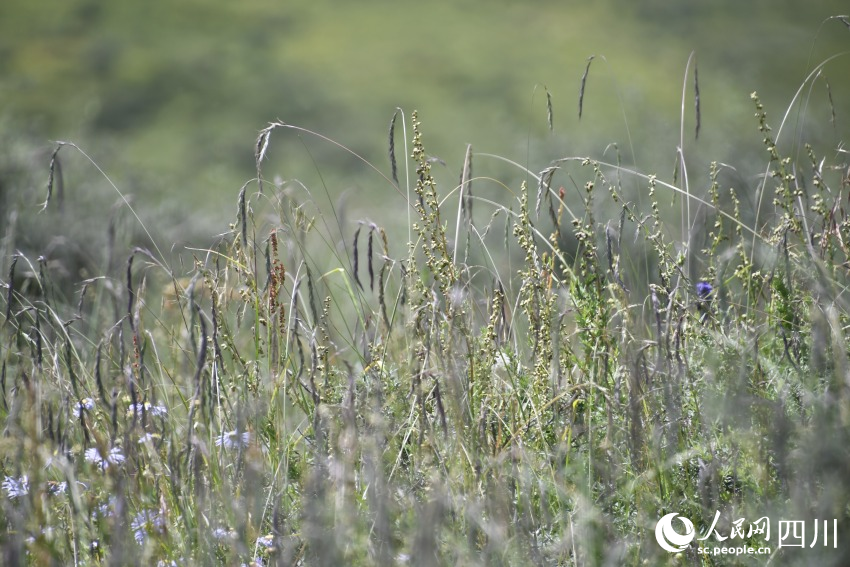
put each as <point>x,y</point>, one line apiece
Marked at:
<point>523,382</point>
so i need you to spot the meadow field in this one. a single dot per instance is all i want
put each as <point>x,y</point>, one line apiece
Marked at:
<point>538,358</point>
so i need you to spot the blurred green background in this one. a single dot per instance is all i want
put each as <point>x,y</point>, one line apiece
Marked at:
<point>168,97</point>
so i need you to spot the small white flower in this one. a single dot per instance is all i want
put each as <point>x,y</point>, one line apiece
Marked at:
<point>146,521</point>
<point>16,487</point>
<point>56,488</point>
<point>146,437</point>
<point>114,457</point>
<point>223,533</point>
<point>231,439</point>
<point>503,362</point>
<point>155,411</point>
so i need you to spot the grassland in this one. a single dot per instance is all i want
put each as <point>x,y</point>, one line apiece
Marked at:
<point>306,393</point>
<point>529,365</point>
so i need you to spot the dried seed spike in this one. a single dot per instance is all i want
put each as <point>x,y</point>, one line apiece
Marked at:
<point>676,166</point>
<point>202,351</point>
<point>543,187</point>
<point>583,84</point>
<point>260,151</point>
<point>553,216</point>
<point>11,290</point>
<point>86,438</point>
<point>381,298</point>
<point>3,386</point>
<point>83,291</point>
<point>216,346</point>
<point>97,375</point>
<point>114,410</point>
<point>393,164</point>
<point>312,294</point>
<point>372,228</point>
<point>243,217</point>
<point>696,100</point>
<point>54,164</point>
<point>466,183</point>
<point>268,258</point>
<point>130,293</point>
<point>301,360</point>
<point>831,104</point>
<point>50,434</point>
<point>38,343</point>
<point>403,300</point>
<point>549,109</point>
<point>263,143</point>
<point>657,310</point>
<point>71,374</point>
<point>612,265</point>
<point>621,226</point>
<point>357,258</point>
<point>384,241</point>
<point>440,409</point>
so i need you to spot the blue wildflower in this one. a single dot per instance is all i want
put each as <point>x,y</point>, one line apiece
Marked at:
<point>113,457</point>
<point>146,520</point>
<point>84,404</point>
<point>16,487</point>
<point>704,289</point>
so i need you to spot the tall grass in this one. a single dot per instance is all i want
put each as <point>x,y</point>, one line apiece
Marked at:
<point>537,383</point>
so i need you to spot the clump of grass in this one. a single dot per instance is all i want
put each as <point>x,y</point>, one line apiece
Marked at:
<point>544,404</point>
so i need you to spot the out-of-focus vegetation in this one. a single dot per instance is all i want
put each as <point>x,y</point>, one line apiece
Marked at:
<point>170,93</point>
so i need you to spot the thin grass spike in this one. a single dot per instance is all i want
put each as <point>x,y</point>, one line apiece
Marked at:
<point>697,101</point>
<point>3,386</point>
<point>381,299</point>
<point>393,164</point>
<point>54,166</point>
<point>466,182</point>
<point>583,84</point>
<point>130,293</point>
<point>311,292</point>
<point>369,258</point>
<point>10,292</point>
<point>357,258</point>
<point>260,150</point>
<point>831,104</point>
<point>97,374</point>
<point>243,217</point>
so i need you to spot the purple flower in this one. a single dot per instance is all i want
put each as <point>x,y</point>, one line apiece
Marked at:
<point>84,404</point>
<point>145,521</point>
<point>704,290</point>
